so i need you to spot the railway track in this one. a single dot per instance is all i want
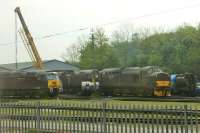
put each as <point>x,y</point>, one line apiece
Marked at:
<point>132,98</point>
<point>162,99</point>
<point>128,98</point>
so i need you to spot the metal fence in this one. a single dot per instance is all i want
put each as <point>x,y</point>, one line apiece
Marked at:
<point>97,118</point>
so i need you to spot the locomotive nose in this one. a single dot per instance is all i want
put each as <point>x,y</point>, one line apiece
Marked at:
<point>54,82</point>
<point>162,80</point>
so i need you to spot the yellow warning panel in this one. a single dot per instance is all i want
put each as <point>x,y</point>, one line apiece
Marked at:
<point>162,83</point>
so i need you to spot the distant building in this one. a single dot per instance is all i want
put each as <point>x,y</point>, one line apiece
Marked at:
<point>49,65</point>
<point>4,69</point>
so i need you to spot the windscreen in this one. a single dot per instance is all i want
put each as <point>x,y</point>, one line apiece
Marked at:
<point>52,76</point>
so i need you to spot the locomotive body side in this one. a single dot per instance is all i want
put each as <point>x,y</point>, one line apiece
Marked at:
<point>145,81</point>
<point>20,84</point>
<point>31,84</point>
<point>131,81</point>
<point>109,79</point>
<point>183,84</point>
<point>83,82</point>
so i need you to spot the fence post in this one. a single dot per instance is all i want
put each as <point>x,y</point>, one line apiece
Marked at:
<point>37,124</point>
<point>185,119</point>
<point>1,117</point>
<point>104,116</point>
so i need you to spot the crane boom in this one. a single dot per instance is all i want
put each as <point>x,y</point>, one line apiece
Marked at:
<point>29,42</point>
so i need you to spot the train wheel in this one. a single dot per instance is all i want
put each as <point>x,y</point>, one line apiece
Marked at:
<point>108,93</point>
<point>168,93</point>
<point>96,94</point>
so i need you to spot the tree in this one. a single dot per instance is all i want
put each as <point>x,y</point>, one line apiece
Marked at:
<point>126,47</point>
<point>98,56</point>
<point>72,54</point>
<point>176,51</point>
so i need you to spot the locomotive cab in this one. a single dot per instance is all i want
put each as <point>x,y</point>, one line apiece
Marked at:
<point>158,80</point>
<point>54,83</point>
<point>162,84</point>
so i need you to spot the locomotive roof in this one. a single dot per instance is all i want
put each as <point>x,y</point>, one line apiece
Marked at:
<point>12,73</point>
<point>20,73</point>
<point>110,70</point>
<point>150,67</point>
<point>132,70</point>
<point>88,71</point>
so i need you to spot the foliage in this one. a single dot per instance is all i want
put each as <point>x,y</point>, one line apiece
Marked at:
<point>98,55</point>
<point>176,52</point>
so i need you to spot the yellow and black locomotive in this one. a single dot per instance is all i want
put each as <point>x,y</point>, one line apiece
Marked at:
<point>29,84</point>
<point>131,81</point>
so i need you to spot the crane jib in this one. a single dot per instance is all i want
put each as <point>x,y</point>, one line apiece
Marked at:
<point>29,42</point>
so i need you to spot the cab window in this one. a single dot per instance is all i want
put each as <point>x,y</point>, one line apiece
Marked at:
<point>52,77</point>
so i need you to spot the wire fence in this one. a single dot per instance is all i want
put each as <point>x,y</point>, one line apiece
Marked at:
<point>97,118</point>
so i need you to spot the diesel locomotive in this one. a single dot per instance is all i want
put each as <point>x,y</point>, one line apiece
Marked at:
<point>183,84</point>
<point>29,84</point>
<point>131,81</point>
<point>83,82</point>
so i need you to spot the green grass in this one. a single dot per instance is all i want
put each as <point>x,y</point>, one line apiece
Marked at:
<point>116,104</point>
<point>86,103</point>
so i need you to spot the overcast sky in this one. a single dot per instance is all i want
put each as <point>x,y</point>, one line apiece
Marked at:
<point>45,17</point>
